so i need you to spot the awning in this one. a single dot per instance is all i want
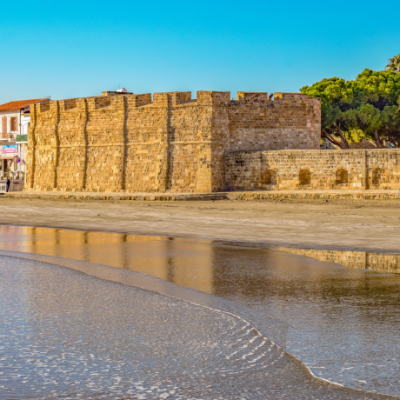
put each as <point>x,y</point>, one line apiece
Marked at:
<point>8,156</point>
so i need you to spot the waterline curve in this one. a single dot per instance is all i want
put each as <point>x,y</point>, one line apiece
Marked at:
<point>237,275</point>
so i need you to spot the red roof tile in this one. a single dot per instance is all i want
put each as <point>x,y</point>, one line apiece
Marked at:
<point>16,105</point>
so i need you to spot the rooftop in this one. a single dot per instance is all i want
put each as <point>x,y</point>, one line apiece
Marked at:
<point>17,105</point>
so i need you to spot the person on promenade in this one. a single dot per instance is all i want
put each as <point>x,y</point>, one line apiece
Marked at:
<point>8,184</point>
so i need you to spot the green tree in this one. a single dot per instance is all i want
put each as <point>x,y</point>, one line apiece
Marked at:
<point>335,99</point>
<point>367,119</point>
<point>365,108</point>
<point>391,124</point>
<point>394,64</point>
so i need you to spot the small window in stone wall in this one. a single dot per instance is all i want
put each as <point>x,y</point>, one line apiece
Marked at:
<point>378,176</point>
<point>269,177</point>
<point>342,177</point>
<point>240,163</point>
<point>304,177</point>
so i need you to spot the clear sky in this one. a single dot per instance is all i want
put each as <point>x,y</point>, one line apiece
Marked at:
<point>74,48</point>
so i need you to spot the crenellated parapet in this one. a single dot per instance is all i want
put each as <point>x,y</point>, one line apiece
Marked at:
<point>122,141</point>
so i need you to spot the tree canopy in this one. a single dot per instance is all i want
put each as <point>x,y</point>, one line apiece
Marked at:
<point>394,64</point>
<point>364,108</point>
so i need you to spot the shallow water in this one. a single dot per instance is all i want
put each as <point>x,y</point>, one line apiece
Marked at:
<point>67,335</point>
<point>344,322</point>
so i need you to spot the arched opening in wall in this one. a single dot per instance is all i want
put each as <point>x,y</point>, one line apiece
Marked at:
<point>342,177</point>
<point>378,176</point>
<point>304,177</point>
<point>269,177</point>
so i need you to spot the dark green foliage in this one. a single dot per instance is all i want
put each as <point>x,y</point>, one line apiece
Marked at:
<point>365,108</point>
<point>394,63</point>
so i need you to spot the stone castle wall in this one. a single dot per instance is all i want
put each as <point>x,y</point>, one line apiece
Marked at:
<point>313,169</point>
<point>128,142</point>
<point>291,121</point>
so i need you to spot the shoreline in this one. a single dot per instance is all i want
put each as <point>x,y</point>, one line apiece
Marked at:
<point>367,225</point>
<point>237,242</point>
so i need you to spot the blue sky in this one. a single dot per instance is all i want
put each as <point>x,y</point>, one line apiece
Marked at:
<point>80,48</point>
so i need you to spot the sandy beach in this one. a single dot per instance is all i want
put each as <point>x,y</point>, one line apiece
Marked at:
<point>341,224</point>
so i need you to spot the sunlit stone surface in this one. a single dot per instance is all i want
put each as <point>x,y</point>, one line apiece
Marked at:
<point>344,322</point>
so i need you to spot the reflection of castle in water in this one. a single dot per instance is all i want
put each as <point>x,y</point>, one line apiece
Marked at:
<point>389,263</point>
<point>220,268</point>
<point>166,258</point>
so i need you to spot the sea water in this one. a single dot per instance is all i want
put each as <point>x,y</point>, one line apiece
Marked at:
<point>342,323</point>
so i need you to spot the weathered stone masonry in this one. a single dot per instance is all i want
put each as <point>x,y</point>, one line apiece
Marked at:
<point>171,143</point>
<point>313,170</point>
<point>130,143</point>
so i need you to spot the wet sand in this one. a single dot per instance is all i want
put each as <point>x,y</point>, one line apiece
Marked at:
<point>341,224</point>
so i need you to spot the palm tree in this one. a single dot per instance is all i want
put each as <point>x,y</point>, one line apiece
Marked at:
<point>394,64</point>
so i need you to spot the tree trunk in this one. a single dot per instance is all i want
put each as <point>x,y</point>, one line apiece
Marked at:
<point>332,139</point>
<point>377,139</point>
<point>344,140</point>
<point>343,144</point>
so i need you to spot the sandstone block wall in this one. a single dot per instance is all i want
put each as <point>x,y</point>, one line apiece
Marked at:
<point>313,169</point>
<point>127,142</point>
<point>293,121</point>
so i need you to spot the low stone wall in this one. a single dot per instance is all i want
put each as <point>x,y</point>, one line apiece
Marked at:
<point>294,195</point>
<point>313,170</point>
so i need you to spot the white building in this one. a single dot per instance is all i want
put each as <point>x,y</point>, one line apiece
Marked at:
<point>14,124</point>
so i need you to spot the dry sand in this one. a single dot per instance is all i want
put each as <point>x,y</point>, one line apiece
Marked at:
<point>342,224</point>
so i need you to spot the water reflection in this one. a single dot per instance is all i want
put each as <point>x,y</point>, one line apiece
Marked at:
<point>345,320</point>
<point>182,261</point>
<point>67,335</point>
<point>382,262</point>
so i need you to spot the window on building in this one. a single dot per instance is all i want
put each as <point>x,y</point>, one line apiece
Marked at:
<point>13,124</point>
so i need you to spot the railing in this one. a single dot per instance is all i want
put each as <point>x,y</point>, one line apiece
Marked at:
<point>22,138</point>
<point>7,135</point>
<point>13,175</point>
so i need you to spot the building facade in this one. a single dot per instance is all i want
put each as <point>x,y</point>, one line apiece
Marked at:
<point>14,125</point>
